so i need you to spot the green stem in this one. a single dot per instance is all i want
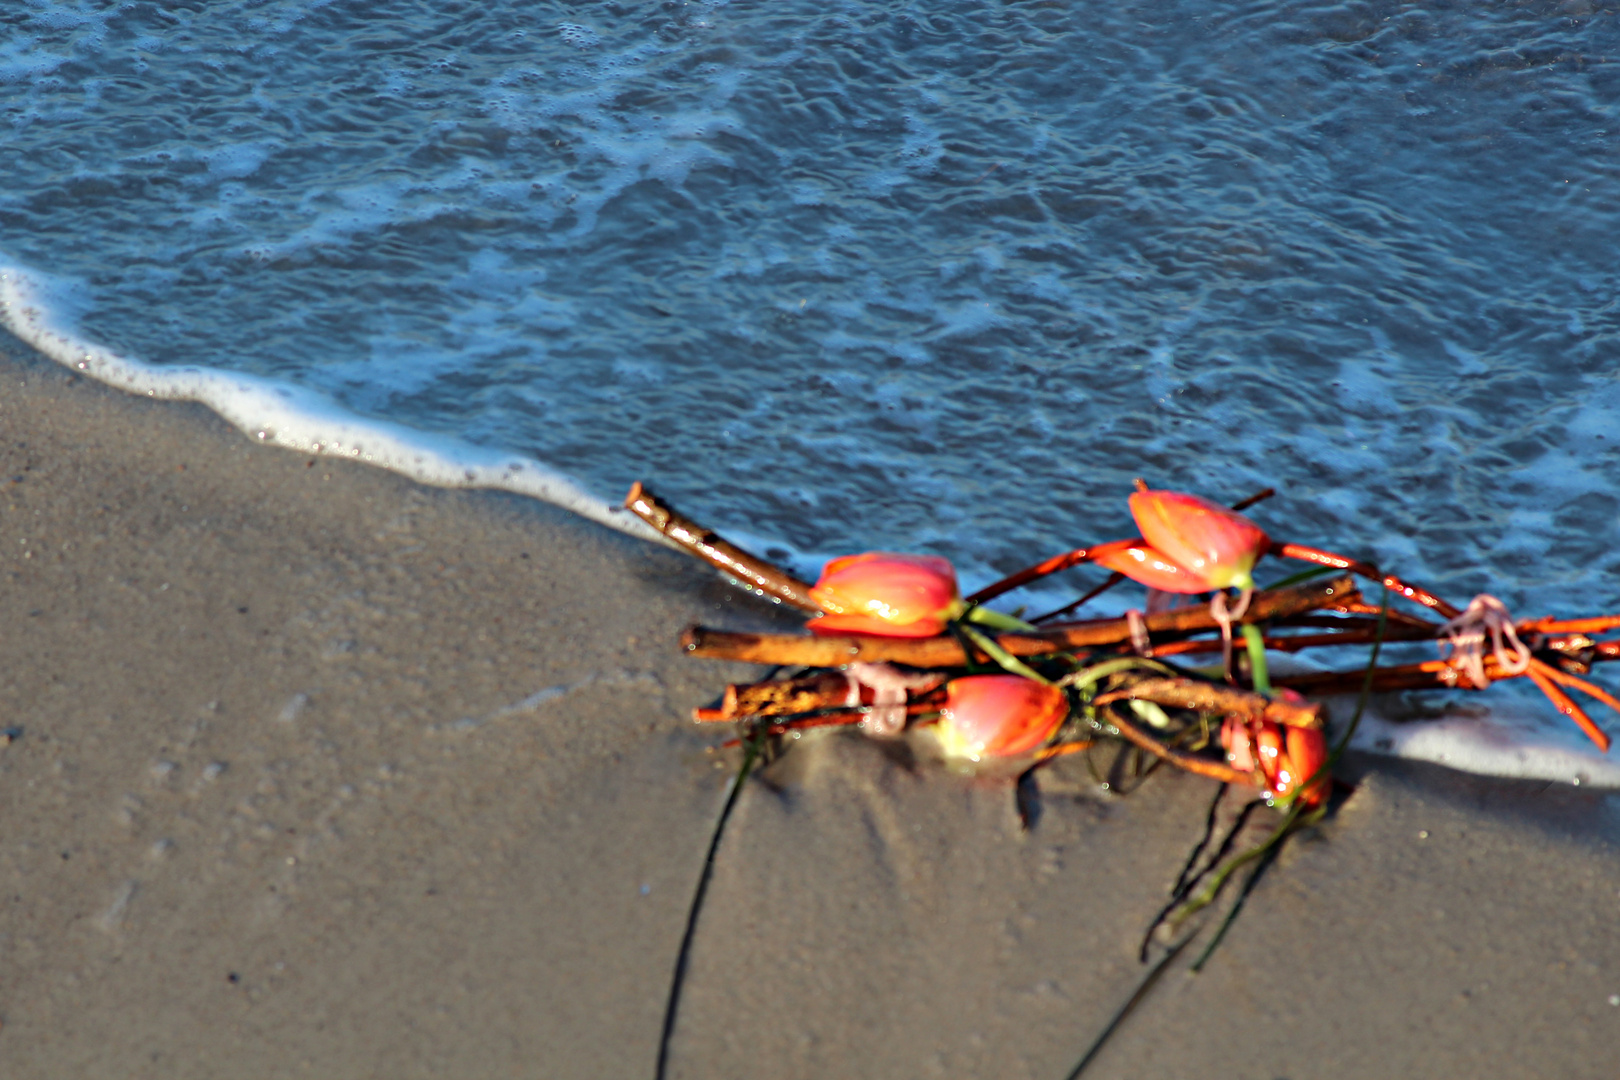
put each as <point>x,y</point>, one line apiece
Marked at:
<point>1007,660</point>
<point>1098,672</point>
<point>997,620</point>
<point>1258,674</point>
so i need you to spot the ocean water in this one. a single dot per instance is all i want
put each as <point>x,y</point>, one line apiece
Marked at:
<point>837,276</point>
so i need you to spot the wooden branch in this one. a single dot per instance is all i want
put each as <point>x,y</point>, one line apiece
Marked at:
<point>789,697</point>
<point>1428,675</point>
<point>1418,628</point>
<point>1215,698</point>
<point>719,552</point>
<point>1295,642</point>
<point>1549,625</point>
<point>937,652</point>
<point>822,690</point>
<point>1339,562</point>
<point>1203,766</point>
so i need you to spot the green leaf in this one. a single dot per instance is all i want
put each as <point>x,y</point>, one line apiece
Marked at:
<point>997,620</point>
<point>1007,660</point>
<point>1258,674</point>
<point>1085,677</point>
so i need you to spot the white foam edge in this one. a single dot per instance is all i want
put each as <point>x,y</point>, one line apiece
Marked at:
<point>280,414</point>
<point>1487,744</point>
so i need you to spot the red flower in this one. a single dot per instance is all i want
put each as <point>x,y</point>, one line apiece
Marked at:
<point>998,716</point>
<point>1190,545</point>
<point>886,594</point>
<point>1287,757</point>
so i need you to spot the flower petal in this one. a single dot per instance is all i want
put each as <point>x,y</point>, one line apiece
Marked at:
<point>1152,568</point>
<point>871,624</point>
<point>999,716</point>
<point>898,595</point>
<point>1202,537</point>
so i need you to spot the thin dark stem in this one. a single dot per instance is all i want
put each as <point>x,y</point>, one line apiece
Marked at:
<point>1130,1005</point>
<point>1237,905</point>
<point>1113,579</point>
<point>1186,875</point>
<point>672,1007</point>
<point>1184,884</point>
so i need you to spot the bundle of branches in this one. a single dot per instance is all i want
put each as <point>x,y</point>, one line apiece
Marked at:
<point>892,646</point>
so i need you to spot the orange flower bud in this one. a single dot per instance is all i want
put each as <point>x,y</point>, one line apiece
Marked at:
<point>998,716</point>
<point>1190,545</point>
<point>1287,757</point>
<point>886,594</point>
<point>1306,752</point>
<point>1239,744</point>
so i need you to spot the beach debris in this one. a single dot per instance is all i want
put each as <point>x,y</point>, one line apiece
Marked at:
<point>905,612</point>
<point>892,647</point>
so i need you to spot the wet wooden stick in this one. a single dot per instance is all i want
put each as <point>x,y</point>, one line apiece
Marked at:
<point>1203,766</point>
<point>718,552</point>
<point>793,697</point>
<point>1294,642</point>
<point>1415,593</point>
<point>1215,698</point>
<point>1550,625</point>
<point>1427,675</point>
<point>1062,749</point>
<point>937,652</point>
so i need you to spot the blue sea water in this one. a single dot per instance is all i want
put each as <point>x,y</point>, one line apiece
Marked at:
<point>845,275</point>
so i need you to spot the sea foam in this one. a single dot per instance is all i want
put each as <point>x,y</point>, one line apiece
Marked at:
<point>1501,738</point>
<point>35,308</point>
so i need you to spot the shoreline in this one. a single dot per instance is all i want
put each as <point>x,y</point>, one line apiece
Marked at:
<point>324,772</point>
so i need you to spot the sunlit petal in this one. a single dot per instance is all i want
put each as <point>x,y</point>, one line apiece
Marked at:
<point>998,716</point>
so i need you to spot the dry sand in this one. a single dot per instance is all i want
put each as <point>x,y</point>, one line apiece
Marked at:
<point>323,773</point>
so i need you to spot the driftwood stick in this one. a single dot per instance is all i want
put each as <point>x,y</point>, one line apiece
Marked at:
<point>787,697</point>
<point>1550,625</point>
<point>717,551</point>
<point>1427,675</point>
<point>1293,642</point>
<point>936,652</point>
<point>1419,628</point>
<point>1203,766</point>
<point>1394,584</point>
<point>1215,698</point>
<point>819,691</point>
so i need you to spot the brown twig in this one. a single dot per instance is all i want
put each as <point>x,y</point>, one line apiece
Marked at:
<point>1293,642</point>
<point>1214,698</point>
<point>1193,763</point>
<point>1063,748</point>
<point>1416,594</point>
<point>1427,675</point>
<point>1549,625</point>
<point>791,697</point>
<point>937,652</point>
<point>717,551</point>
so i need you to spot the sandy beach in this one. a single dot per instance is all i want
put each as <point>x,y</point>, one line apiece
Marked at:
<point>312,771</point>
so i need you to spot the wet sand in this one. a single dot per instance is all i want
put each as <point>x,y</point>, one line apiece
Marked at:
<point>324,773</point>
